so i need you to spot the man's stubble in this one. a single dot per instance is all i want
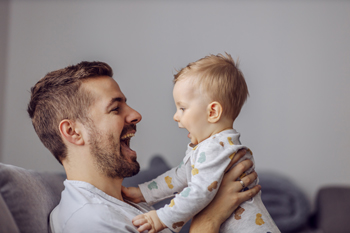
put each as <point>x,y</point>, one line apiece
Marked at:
<point>108,157</point>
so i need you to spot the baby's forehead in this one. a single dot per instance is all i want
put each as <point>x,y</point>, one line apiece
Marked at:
<point>199,83</point>
<point>194,80</point>
<point>190,88</point>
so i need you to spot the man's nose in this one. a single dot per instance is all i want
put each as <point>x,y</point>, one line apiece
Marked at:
<point>133,117</point>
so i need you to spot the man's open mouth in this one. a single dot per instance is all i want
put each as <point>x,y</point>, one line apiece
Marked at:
<point>127,133</point>
<point>125,139</point>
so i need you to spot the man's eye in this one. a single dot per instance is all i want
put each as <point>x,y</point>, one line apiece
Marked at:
<point>115,109</point>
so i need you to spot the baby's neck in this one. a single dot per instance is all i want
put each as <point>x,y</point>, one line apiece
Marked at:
<point>220,126</point>
<point>220,130</point>
<point>223,124</point>
<point>213,133</point>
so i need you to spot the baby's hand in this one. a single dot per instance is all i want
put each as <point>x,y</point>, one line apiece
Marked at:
<point>132,194</point>
<point>148,221</point>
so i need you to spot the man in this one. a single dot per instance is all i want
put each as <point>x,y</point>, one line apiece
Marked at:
<point>82,117</point>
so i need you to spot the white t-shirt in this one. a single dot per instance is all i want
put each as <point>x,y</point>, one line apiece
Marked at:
<point>85,208</point>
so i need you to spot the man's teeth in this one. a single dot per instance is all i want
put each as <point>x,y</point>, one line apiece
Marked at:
<point>127,136</point>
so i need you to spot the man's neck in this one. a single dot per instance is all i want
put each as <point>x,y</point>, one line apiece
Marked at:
<point>89,174</point>
<point>110,186</point>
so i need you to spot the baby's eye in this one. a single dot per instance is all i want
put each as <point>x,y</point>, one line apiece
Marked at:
<point>182,109</point>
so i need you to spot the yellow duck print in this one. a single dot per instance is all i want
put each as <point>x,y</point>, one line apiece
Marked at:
<point>168,181</point>
<point>232,155</point>
<point>194,170</point>
<point>229,139</point>
<point>259,221</point>
<point>172,203</point>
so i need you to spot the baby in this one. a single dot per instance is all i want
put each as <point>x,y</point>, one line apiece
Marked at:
<point>208,95</point>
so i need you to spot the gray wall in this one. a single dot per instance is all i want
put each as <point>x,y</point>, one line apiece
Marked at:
<point>4,23</point>
<point>295,56</point>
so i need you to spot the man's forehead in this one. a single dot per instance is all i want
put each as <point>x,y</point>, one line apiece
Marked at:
<point>104,83</point>
<point>103,88</point>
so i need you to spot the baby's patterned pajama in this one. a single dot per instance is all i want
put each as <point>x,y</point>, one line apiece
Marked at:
<point>197,179</point>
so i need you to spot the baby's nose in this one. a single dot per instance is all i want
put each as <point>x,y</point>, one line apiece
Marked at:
<point>176,118</point>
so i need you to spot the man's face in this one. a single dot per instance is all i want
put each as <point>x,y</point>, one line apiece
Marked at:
<point>113,124</point>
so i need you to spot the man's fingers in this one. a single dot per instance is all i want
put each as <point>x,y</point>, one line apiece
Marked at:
<point>238,170</point>
<point>248,179</point>
<point>237,157</point>
<point>246,195</point>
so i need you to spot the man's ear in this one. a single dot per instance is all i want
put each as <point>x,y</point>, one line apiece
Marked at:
<point>71,132</point>
<point>214,111</point>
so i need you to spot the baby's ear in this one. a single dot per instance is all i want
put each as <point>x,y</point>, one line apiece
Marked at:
<point>214,111</point>
<point>71,132</point>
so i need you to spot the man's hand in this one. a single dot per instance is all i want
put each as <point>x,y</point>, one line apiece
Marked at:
<point>133,194</point>
<point>148,221</point>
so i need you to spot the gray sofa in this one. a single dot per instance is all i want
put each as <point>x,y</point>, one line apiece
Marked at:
<point>27,197</point>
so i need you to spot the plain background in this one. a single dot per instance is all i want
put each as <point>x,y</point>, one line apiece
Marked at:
<point>295,56</point>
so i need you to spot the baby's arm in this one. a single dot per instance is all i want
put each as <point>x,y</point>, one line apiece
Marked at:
<point>148,221</point>
<point>158,188</point>
<point>165,185</point>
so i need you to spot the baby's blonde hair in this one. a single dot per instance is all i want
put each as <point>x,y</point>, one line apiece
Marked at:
<point>219,77</point>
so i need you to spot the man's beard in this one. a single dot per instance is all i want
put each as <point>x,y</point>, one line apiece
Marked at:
<point>108,157</point>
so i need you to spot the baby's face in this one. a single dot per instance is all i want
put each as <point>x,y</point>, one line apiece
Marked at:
<point>191,110</point>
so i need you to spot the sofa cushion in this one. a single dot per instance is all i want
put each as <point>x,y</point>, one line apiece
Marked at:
<point>30,196</point>
<point>285,201</point>
<point>333,209</point>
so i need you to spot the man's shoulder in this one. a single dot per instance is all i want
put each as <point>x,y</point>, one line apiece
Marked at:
<point>81,204</point>
<point>98,215</point>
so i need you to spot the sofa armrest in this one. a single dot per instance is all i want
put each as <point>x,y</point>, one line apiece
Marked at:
<point>7,223</point>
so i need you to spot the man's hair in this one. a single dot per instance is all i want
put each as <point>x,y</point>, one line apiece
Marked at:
<point>220,78</point>
<point>59,96</point>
